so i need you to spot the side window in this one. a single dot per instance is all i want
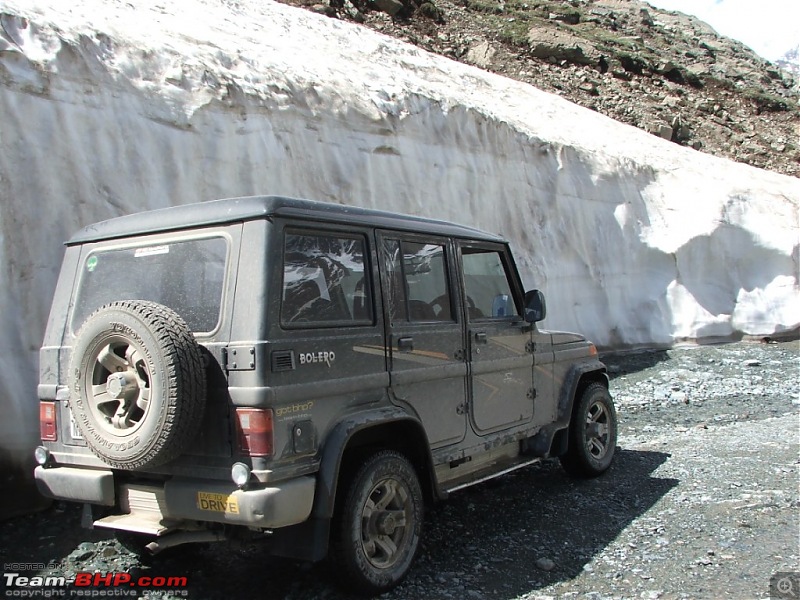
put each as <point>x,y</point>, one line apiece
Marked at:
<point>325,281</point>
<point>426,282</point>
<point>416,276</point>
<point>486,285</point>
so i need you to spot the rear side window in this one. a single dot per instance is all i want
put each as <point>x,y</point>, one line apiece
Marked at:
<point>187,276</point>
<point>416,275</point>
<point>325,281</point>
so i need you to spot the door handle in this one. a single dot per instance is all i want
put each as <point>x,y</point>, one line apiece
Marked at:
<point>406,344</point>
<point>481,338</point>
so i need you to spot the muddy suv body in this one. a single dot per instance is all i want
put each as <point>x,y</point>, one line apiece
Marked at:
<point>306,372</point>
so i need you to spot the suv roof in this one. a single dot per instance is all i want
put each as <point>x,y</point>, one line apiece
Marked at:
<point>248,208</point>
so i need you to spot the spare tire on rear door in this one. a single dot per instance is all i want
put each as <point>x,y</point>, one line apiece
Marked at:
<point>137,384</point>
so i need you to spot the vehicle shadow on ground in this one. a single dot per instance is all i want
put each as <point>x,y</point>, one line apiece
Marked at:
<point>632,361</point>
<point>542,513</point>
<point>494,533</point>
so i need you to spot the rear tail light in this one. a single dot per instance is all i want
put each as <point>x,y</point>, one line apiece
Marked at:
<point>254,431</point>
<point>47,421</point>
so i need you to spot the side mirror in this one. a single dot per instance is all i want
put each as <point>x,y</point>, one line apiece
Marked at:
<point>535,306</point>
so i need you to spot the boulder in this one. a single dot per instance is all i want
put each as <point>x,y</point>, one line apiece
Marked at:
<point>557,45</point>
<point>481,55</point>
<point>390,7</point>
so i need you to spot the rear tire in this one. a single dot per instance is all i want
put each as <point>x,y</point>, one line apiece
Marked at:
<point>592,434</point>
<point>378,526</point>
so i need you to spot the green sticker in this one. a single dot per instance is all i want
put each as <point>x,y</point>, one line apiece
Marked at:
<point>91,264</point>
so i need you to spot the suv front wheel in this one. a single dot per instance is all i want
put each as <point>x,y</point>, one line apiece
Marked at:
<point>592,433</point>
<point>378,528</point>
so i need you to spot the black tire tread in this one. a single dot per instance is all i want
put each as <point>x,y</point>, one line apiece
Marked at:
<point>183,411</point>
<point>339,557</point>
<point>574,461</point>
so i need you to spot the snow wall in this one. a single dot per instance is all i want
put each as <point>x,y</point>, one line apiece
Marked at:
<point>107,110</point>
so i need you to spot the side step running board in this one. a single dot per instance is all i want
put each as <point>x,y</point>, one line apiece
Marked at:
<point>475,478</point>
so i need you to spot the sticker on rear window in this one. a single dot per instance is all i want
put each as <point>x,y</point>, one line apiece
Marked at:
<point>91,264</point>
<point>151,251</point>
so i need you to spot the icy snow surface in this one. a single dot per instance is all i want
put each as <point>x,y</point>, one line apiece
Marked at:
<point>107,109</point>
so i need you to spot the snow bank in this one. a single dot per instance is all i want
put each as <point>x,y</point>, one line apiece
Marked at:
<point>107,110</point>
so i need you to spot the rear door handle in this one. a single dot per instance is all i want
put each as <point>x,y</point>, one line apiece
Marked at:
<point>406,344</point>
<point>481,338</point>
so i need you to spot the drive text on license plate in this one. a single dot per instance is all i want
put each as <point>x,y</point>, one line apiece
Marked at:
<point>217,503</point>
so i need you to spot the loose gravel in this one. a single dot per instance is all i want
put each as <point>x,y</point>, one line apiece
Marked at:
<point>701,502</point>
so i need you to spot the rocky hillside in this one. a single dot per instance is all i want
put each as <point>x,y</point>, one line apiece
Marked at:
<point>665,72</point>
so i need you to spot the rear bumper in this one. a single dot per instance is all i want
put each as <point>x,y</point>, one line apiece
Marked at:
<point>83,485</point>
<point>278,505</point>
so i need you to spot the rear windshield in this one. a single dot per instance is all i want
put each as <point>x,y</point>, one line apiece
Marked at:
<point>186,276</point>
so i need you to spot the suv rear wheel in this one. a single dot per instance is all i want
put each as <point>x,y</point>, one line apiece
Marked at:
<point>378,528</point>
<point>137,384</point>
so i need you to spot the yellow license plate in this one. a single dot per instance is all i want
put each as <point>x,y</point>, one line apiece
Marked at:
<point>217,503</point>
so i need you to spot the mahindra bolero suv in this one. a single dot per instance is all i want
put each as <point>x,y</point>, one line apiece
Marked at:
<point>308,373</point>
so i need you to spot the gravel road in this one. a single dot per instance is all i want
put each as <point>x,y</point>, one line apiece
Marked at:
<point>701,502</point>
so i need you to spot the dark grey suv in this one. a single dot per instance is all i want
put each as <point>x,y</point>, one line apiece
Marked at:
<point>308,373</point>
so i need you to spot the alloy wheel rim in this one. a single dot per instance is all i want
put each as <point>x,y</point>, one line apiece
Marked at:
<point>118,388</point>
<point>386,522</point>
<point>598,430</point>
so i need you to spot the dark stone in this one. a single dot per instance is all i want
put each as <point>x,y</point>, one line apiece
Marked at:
<point>632,64</point>
<point>431,11</point>
<point>390,7</point>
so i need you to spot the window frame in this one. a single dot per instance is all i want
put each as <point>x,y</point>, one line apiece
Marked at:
<point>509,268</point>
<point>450,278</point>
<point>336,233</point>
<point>144,242</point>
